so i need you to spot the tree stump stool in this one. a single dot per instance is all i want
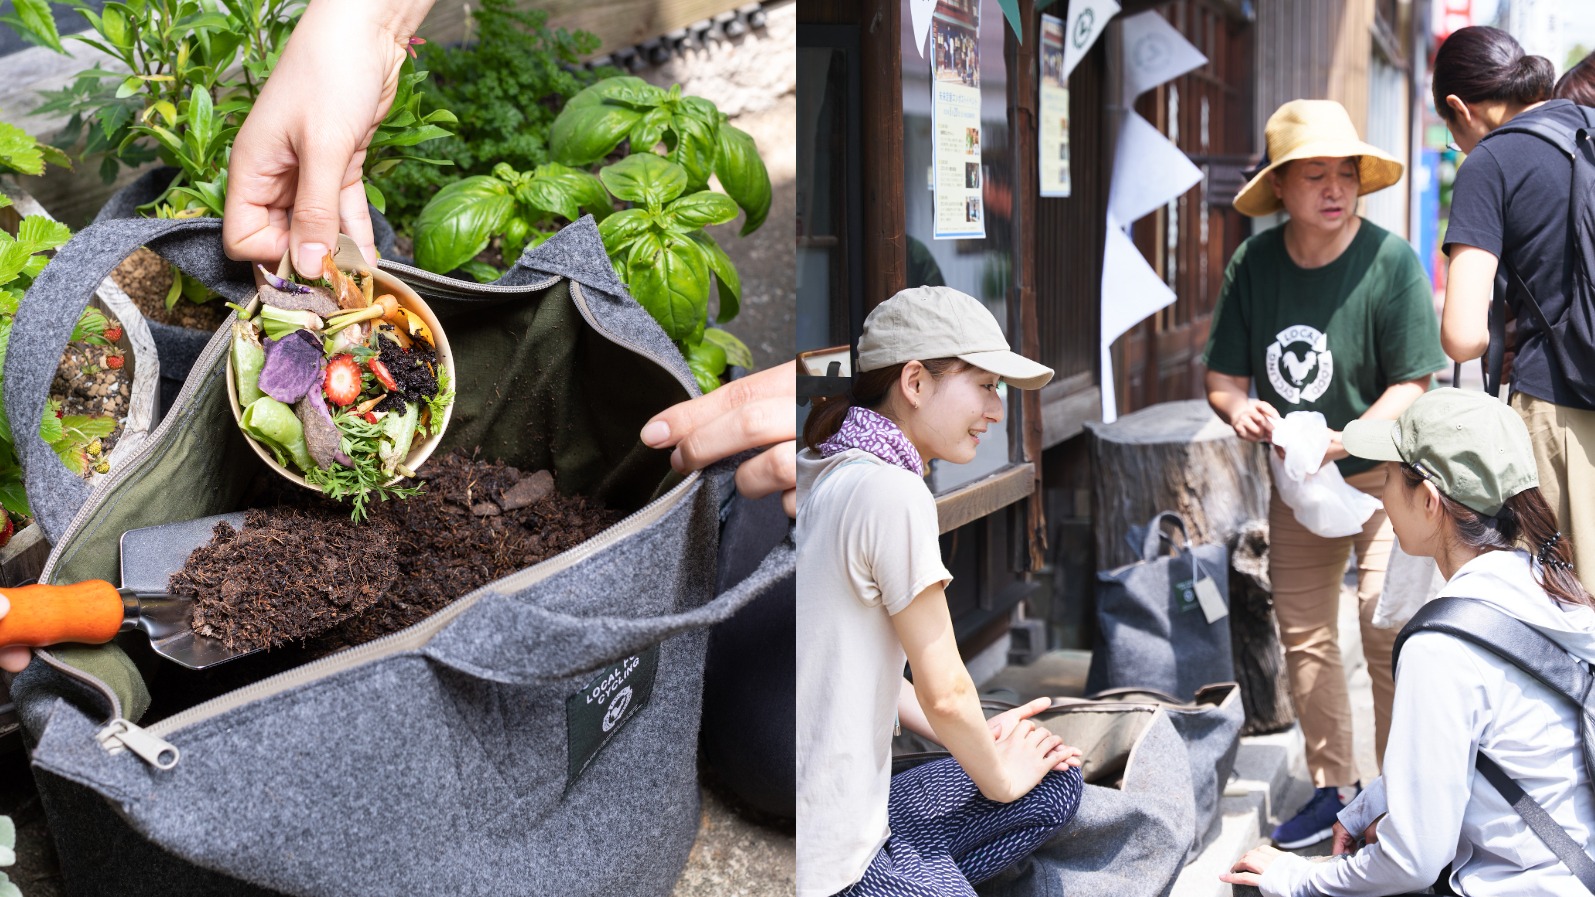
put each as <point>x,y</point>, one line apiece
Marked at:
<point>1179,456</point>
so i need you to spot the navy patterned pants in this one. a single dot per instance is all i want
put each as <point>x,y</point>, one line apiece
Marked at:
<point>946,836</point>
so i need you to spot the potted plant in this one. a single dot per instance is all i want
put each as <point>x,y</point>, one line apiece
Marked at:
<point>673,145</point>
<point>193,72</point>
<point>105,391</point>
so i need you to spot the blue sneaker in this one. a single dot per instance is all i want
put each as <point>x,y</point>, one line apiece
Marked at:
<point>1315,822</point>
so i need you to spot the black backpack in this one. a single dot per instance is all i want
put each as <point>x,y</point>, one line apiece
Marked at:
<point>1523,646</point>
<point>1572,335</point>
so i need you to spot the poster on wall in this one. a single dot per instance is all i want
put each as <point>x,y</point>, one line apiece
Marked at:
<point>1053,128</point>
<point>955,119</point>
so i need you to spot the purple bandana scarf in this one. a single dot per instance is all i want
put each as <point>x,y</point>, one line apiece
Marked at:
<point>876,434</point>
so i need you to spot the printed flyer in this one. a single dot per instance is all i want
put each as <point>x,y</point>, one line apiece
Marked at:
<point>955,119</point>
<point>1053,126</point>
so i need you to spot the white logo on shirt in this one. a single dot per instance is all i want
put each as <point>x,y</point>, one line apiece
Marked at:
<point>1299,364</point>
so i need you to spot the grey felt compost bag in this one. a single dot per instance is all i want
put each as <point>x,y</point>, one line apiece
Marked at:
<point>537,736</point>
<point>1163,621</point>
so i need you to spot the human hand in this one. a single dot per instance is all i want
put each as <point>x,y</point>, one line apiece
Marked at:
<point>1255,421</point>
<point>757,410</point>
<point>294,178</point>
<point>1003,724</point>
<point>1249,869</point>
<point>1025,754</point>
<point>13,658</point>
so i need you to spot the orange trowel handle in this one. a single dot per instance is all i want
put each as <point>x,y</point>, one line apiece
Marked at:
<point>88,612</point>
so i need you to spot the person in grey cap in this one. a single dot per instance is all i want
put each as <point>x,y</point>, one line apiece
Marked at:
<point>1463,489</point>
<point>931,362</point>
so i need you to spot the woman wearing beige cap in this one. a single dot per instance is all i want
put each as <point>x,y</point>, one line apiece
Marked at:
<point>1329,313</point>
<point>1463,489</point>
<point>926,387</point>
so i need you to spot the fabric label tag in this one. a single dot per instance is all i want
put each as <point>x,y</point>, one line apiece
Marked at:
<point>1184,594</point>
<point>603,707</point>
<point>1212,602</point>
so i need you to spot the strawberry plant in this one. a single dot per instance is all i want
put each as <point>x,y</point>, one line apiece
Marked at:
<point>22,256</point>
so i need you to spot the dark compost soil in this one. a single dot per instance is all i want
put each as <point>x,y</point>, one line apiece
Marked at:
<point>476,521</point>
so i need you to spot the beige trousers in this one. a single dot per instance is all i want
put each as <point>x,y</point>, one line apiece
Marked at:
<point>1564,441</point>
<point>1306,571</point>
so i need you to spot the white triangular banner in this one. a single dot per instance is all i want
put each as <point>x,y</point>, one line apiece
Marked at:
<point>1154,53</point>
<point>919,13</point>
<point>1148,170</point>
<point>1087,20</point>
<point>1131,290</point>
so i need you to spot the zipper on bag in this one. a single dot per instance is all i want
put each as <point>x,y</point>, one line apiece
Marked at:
<point>148,744</point>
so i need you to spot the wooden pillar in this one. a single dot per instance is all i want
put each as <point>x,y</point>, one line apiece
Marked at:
<point>1022,100</point>
<point>881,144</point>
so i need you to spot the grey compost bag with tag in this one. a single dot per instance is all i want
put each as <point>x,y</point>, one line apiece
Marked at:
<point>537,736</point>
<point>1162,622</point>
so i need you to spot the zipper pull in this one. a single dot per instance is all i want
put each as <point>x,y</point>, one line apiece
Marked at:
<point>120,734</point>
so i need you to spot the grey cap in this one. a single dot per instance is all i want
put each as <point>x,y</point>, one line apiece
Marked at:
<point>1474,448</point>
<point>940,322</point>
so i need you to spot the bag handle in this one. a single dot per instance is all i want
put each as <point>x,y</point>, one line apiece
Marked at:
<point>43,325</point>
<point>1151,537</point>
<point>559,645</point>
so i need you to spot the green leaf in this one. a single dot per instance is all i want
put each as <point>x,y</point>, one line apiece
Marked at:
<point>546,195</point>
<point>707,361</point>
<point>736,351</point>
<point>19,151</point>
<point>14,498</point>
<point>113,25</point>
<point>50,426</point>
<point>459,222</point>
<point>630,90</point>
<point>130,85</point>
<point>410,136</point>
<point>743,175</point>
<point>583,135</point>
<point>669,277</point>
<point>83,428</point>
<point>695,148</point>
<point>55,156</point>
<point>621,228</point>
<point>175,292</point>
<point>41,233</point>
<point>481,272</point>
<point>649,129</point>
<point>702,209</point>
<point>725,276</point>
<point>202,122</point>
<point>33,22</point>
<point>645,178</point>
<point>14,258</point>
<point>587,190</point>
<point>375,197</point>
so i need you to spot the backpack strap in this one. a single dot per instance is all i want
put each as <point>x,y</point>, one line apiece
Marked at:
<point>1531,651</point>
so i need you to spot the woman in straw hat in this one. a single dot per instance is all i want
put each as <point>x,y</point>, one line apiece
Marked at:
<point>930,362</point>
<point>1509,223</point>
<point>1326,312</point>
<point>1462,488</point>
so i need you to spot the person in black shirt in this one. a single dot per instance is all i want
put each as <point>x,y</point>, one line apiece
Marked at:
<point>1509,210</point>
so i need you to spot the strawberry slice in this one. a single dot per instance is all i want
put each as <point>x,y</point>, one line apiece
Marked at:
<point>342,383</point>
<point>381,372</point>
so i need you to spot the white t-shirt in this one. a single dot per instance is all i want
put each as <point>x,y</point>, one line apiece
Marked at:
<point>867,545</point>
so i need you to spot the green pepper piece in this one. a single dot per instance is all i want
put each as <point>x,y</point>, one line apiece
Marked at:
<point>248,359</point>
<point>274,425</point>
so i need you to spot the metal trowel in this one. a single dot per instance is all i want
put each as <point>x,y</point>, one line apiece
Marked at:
<point>94,611</point>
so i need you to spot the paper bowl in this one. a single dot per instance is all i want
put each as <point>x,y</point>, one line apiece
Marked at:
<point>419,451</point>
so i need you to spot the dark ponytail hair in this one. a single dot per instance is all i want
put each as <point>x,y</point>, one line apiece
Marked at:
<point>1525,521</point>
<point>1578,83</point>
<point>868,390</point>
<point>1480,63</point>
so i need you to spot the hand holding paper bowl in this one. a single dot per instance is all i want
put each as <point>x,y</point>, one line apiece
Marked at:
<point>343,384</point>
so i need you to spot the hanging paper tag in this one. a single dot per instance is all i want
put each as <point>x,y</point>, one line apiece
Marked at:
<point>1212,602</point>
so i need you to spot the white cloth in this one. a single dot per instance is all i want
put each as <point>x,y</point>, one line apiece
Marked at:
<point>1454,699</point>
<point>1318,495</point>
<point>867,543</point>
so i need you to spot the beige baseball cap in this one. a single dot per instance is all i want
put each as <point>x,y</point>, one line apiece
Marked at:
<point>940,322</point>
<point>1474,448</point>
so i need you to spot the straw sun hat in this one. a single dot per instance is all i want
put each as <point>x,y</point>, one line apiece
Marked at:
<point>1309,129</point>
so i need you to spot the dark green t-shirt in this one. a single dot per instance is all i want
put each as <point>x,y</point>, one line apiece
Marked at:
<point>1328,339</point>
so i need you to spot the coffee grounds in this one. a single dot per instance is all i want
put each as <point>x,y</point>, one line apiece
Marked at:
<point>300,581</point>
<point>459,534</point>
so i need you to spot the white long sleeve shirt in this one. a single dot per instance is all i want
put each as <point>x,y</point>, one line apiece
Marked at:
<point>1454,699</point>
